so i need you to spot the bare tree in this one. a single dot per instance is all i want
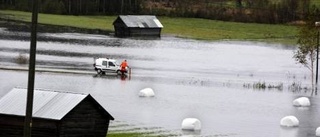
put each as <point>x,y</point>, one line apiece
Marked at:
<point>306,53</point>
<point>308,41</point>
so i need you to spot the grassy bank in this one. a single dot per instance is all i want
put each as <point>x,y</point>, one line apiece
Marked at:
<point>216,30</point>
<point>315,2</point>
<point>128,135</point>
<point>122,129</point>
<point>202,29</point>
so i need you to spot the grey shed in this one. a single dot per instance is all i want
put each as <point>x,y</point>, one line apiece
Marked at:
<point>137,26</point>
<point>55,114</point>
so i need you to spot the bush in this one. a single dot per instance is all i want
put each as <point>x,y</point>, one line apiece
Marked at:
<point>22,59</point>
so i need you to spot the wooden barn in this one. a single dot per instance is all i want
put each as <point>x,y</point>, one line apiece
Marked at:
<point>137,26</point>
<point>55,114</point>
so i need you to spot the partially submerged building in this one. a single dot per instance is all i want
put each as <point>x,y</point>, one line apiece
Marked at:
<point>55,114</point>
<point>137,26</point>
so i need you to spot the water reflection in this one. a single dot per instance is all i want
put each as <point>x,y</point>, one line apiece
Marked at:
<point>289,132</point>
<point>112,76</point>
<point>186,133</point>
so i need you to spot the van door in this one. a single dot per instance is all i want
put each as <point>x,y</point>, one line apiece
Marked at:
<point>104,65</point>
<point>112,66</point>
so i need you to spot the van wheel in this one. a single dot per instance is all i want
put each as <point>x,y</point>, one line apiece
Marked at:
<point>118,71</point>
<point>99,71</point>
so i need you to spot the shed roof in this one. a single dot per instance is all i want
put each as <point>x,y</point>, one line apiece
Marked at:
<point>46,104</point>
<point>140,21</point>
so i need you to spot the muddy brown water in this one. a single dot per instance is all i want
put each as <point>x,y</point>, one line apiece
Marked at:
<point>191,78</point>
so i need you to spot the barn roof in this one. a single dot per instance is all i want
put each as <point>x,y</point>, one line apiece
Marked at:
<point>46,104</point>
<point>140,21</point>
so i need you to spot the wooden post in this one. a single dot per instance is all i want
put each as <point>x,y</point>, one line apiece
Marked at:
<point>317,66</point>
<point>129,73</point>
<point>32,62</point>
<point>317,24</point>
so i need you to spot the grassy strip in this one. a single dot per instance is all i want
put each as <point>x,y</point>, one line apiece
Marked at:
<point>126,135</point>
<point>315,2</point>
<point>138,134</point>
<point>202,29</point>
<point>122,129</point>
<point>89,22</point>
<point>216,30</point>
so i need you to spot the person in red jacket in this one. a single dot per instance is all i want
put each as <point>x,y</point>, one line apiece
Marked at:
<point>123,67</point>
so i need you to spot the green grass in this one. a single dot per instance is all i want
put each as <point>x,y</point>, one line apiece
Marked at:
<point>217,30</point>
<point>202,29</point>
<point>128,135</point>
<point>315,2</point>
<point>123,129</point>
<point>90,22</point>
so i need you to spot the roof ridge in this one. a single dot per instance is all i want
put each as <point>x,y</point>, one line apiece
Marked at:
<point>59,91</point>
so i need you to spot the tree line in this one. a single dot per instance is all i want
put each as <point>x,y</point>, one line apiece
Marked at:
<point>76,7</point>
<point>258,11</point>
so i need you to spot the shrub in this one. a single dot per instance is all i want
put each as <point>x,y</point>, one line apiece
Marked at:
<point>22,59</point>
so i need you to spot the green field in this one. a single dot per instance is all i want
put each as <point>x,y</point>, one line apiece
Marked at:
<point>202,29</point>
<point>129,135</point>
<point>217,30</point>
<point>315,2</point>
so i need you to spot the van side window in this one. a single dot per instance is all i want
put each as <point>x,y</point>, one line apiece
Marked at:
<point>104,63</point>
<point>111,64</point>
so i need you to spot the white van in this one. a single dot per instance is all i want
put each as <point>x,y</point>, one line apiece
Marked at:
<point>105,65</point>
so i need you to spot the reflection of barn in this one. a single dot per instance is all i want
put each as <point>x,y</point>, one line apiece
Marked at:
<point>134,25</point>
<point>55,114</point>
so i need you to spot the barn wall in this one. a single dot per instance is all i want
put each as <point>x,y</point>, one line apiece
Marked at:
<point>12,126</point>
<point>148,32</point>
<point>145,32</point>
<point>120,28</point>
<point>122,31</point>
<point>137,32</point>
<point>85,120</point>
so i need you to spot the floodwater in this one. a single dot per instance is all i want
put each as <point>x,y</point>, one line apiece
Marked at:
<point>198,79</point>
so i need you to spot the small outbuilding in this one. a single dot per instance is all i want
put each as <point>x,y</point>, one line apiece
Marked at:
<point>137,26</point>
<point>55,114</point>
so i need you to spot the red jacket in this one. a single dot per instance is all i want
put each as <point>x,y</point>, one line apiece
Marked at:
<point>123,65</point>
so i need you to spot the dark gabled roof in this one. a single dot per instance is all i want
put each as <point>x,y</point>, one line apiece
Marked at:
<point>140,21</point>
<point>46,104</point>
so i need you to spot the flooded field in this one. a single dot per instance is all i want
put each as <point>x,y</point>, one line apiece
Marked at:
<point>211,81</point>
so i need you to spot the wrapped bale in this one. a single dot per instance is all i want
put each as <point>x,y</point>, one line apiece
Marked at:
<point>192,124</point>
<point>147,92</point>
<point>318,132</point>
<point>289,121</point>
<point>301,102</point>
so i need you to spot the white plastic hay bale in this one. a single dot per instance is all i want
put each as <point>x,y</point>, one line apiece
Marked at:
<point>301,102</point>
<point>318,132</point>
<point>289,121</point>
<point>147,92</point>
<point>192,124</point>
